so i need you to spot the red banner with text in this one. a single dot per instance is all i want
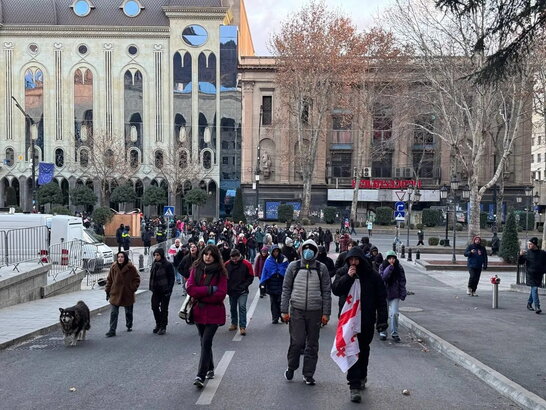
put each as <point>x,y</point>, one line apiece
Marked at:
<point>387,184</point>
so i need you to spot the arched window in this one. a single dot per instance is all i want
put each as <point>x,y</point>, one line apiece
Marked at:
<point>158,159</point>
<point>183,159</point>
<point>134,158</point>
<point>182,91</point>
<point>207,160</point>
<point>83,105</point>
<point>134,108</point>
<point>59,158</point>
<point>84,158</point>
<point>10,157</point>
<point>34,106</point>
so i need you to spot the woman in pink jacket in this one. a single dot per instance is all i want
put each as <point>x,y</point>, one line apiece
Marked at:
<point>207,284</point>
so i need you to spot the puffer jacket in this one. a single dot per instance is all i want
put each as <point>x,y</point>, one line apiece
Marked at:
<point>395,280</point>
<point>535,264</point>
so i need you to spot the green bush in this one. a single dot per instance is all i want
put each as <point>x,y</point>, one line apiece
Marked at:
<point>419,226</point>
<point>305,221</point>
<point>530,220</point>
<point>433,241</point>
<point>384,215</point>
<point>285,213</point>
<point>510,243</point>
<point>83,195</point>
<point>330,214</point>
<point>50,194</point>
<point>432,217</point>
<point>123,194</point>
<point>102,215</point>
<point>60,210</point>
<point>238,212</point>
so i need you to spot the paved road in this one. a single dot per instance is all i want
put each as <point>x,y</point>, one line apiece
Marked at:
<point>145,371</point>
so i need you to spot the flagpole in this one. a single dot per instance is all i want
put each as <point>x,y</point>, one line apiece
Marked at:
<point>33,167</point>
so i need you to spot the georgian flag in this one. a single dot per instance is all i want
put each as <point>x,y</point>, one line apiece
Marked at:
<point>345,349</point>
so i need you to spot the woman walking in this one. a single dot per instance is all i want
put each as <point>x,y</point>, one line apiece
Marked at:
<point>395,281</point>
<point>161,285</point>
<point>259,263</point>
<point>272,278</point>
<point>121,284</point>
<point>207,284</point>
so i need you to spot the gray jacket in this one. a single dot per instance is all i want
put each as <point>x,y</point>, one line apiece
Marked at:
<point>310,289</point>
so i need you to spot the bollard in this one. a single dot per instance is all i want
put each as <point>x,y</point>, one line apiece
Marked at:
<point>417,255</point>
<point>403,253</point>
<point>495,280</point>
<point>409,255</point>
<point>141,262</point>
<point>394,246</point>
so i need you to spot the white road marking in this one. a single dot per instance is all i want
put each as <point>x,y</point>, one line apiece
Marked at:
<point>212,385</point>
<point>238,337</point>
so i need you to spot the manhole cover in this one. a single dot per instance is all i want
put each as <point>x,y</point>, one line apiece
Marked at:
<point>410,309</point>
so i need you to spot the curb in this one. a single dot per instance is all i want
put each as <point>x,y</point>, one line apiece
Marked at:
<point>496,380</point>
<point>50,328</point>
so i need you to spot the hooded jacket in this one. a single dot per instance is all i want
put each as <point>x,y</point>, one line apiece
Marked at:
<point>273,272</point>
<point>395,280</point>
<point>373,295</point>
<point>535,264</point>
<point>161,274</point>
<point>289,251</point>
<point>478,259</point>
<point>240,276</point>
<point>307,288</point>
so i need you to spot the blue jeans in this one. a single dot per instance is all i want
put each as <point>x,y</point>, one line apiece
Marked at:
<point>251,254</point>
<point>238,303</point>
<point>393,316</point>
<point>533,297</point>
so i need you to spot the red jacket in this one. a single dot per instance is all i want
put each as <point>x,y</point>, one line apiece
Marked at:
<point>209,309</point>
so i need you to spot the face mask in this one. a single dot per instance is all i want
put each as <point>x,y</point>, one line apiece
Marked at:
<point>308,254</point>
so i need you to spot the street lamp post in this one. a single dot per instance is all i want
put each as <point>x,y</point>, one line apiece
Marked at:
<point>443,195</point>
<point>528,194</point>
<point>413,196</point>
<point>536,200</point>
<point>454,187</point>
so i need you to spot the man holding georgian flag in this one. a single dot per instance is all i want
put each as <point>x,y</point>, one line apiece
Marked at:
<point>365,305</point>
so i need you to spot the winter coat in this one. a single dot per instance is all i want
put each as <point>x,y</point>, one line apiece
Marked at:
<point>328,262</point>
<point>259,236</point>
<point>290,253</point>
<point>147,238</point>
<point>340,261</point>
<point>119,232</point>
<point>477,259</point>
<point>535,264</point>
<point>395,280</point>
<point>273,273</point>
<point>126,239</point>
<point>209,308</point>
<point>121,284</point>
<point>240,277</point>
<point>184,266</point>
<point>175,255</point>
<point>307,288</point>
<point>162,277</point>
<point>373,295</point>
<point>259,263</point>
<point>328,237</point>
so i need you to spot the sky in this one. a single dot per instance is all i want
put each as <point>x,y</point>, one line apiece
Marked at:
<point>264,16</point>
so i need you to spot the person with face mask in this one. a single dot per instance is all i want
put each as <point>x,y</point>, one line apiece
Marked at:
<point>272,278</point>
<point>395,281</point>
<point>305,304</point>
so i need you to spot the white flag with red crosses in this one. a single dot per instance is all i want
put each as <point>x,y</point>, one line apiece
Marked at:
<point>346,349</point>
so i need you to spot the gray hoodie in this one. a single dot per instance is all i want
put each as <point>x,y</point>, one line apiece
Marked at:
<point>309,288</point>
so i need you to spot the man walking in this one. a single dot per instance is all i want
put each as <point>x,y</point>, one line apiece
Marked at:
<point>477,259</point>
<point>240,277</point>
<point>305,304</point>
<point>535,263</point>
<point>119,238</point>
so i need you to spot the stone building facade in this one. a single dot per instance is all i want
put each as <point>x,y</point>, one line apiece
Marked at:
<point>405,150</point>
<point>157,78</point>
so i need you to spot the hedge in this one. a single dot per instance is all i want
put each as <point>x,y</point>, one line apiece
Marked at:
<point>433,241</point>
<point>432,217</point>
<point>285,213</point>
<point>330,214</point>
<point>384,215</point>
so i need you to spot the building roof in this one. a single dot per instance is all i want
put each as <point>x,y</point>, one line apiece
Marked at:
<point>105,12</point>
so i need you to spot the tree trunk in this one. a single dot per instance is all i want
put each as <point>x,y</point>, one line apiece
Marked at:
<point>354,204</point>
<point>306,197</point>
<point>475,200</point>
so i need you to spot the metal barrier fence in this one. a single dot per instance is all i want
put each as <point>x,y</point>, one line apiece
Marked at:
<point>521,274</point>
<point>73,255</point>
<point>23,245</point>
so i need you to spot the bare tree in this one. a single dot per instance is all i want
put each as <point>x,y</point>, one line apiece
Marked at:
<point>108,163</point>
<point>311,50</point>
<point>469,113</point>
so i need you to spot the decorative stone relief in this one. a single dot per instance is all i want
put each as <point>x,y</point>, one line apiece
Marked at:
<point>58,46</point>
<point>134,134</point>
<point>266,165</point>
<point>182,136</point>
<point>108,46</point>
<point>207,136</point>
<point>158,47</point>
<point>8,44</point>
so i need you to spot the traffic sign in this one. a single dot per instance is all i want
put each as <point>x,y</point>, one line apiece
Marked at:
<point>168,211</point>
<point>400,206</point>
<point>399,216</point>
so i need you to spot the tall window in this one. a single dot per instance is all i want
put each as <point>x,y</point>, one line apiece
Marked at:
<point>84,158</point>
<point>382,144</point>
<point>423,146</point>
<point>10,157</point>
<point>341,129</point>
<point>267,110</point>
<point>83,105</point>
<point>158,159</point>
<point>182,91</point>
<point>134,108</point>
<point>207,98</point>
<point>341,164</point>
<point>59,158</point>
<point>134,158</point>
<point>34,106</point>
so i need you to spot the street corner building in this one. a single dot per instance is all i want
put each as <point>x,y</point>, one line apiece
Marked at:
<point>139,92</point>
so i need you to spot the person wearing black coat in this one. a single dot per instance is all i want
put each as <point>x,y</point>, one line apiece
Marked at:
<point>119,239</point>
<point>147,236</point>
<point>373,299</point>
<point>161,285</point>
<point>328,238</point>
<point>324,258</point>
<point>535,263</point>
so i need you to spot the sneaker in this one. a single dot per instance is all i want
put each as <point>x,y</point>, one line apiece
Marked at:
<point>469,292</point>
<point>156,329</point>
<point>382,336</point>
<point>530,306</point>
<point>275,322</point>
<point>289,374</point>
<point>210,374</point>
<point>355,396</point>
<point>129,329</point>
<point>232,328</point>
<point>538,311</point>
<point>242,331</point>
<point>110,334</point>
<point>396,338</point>
<point>309,380</point>
<point>199,382</point>
<point>161,331</point>
<point>474,293</point>
<point>363,383</point>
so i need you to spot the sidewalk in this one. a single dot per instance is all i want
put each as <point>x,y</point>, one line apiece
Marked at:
<point>508,340</point>
<point>26,320</point>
